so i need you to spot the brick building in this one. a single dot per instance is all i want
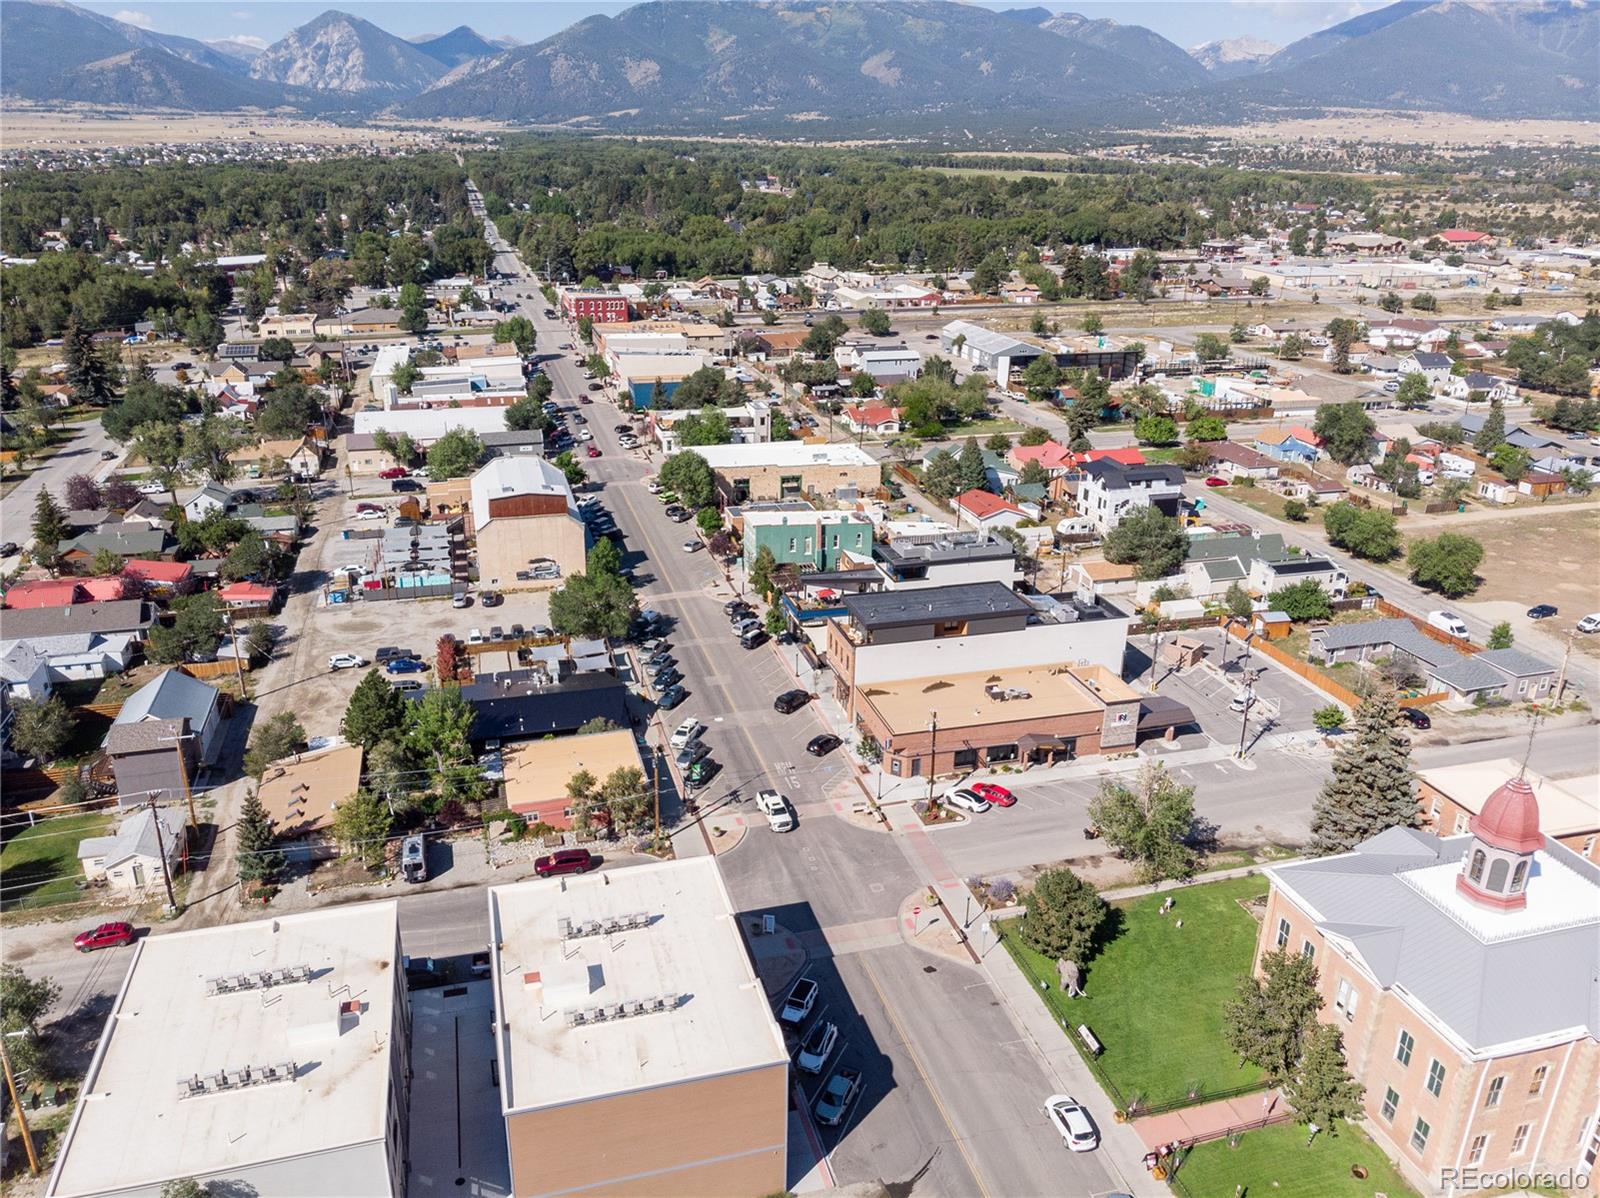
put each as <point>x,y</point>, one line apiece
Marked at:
<point>1569,809</point>
<point>599,306</point>
<point>1461,972</point>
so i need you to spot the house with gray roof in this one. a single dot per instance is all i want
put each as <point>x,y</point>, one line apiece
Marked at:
<point>1460,973</point>
<point>148,847</point>
<point>1493,674</point>
<point>127,539</point>
<point>167,731</point>
<point>79,640</point>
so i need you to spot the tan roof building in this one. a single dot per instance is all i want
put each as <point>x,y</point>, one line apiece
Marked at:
<point>300,793</point>
<point>1569,809</point>
<point>537,771</point>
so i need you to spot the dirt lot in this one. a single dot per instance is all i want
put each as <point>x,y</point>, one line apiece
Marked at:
<point>1543,558</point>
<point>59,128</point>
<point>1433,128</point>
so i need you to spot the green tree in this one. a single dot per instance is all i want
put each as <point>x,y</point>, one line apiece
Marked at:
<point>1343,333</point>
<point>998,443</point>
<point>1267,1020</point>
<point>1424,301</point>
<point>1259,286</point>
<point>413,309</point>
<point>1501,636</point>
<point>1034,473</point>
<point>1493,433</point>
<point>761,571</point>
<point>275,349</point>
<point>250,558</point>
<point>876,322</point>
<point>1371,534</point>
<point>596,603</point>
<point>260,860</point>
<point>581,791</point>
<point>1092,324</point>
<point>1370,787</point>
<point>1305,600</point>
<point>439,732</point>
<point>1154,542</point>
<point>41,728</point>
<point>1322,1091</point>
<point>405,376</point>
<point>689,477</point>
<point>376,712</point>
<point>863,385</point>
<point>1511,461</point>
<point>24,1002</point>
<point>1391,302</point>
<point>361,824</point>
<point>574,473</point>
<point>527,414</point>
<point>941,476</point>
<point>389,773</point>
<point>1237,602</point>
<point>1447,563</point>
<point>1295,510</point>
<point>708,520</point>
<point>969,465</point>
<point>455,455</point>
<point>49,529</point>
<point>1033,435</point>
<point>1064,916</point>
<point>1155,430</point>
<point>280,737</point>
<point>185,1187</point>
<point>1041,377</point>
<point>1149,821</point>
<point>1207,428</point>
<point>1292,348</point>
<point>1209,347</point>
<point>519,331</point>
<point>89,374</point>
<point>144,402</point>
<point>1414,393</point>
<point>208,446</point>
<point>625,797</point>
<point>707,427</point>
<point>1329,718</point>
<point>1346,431</point>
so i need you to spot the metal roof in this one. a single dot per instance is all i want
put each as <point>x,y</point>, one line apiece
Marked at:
<point>892,609</point>
<point>1457,669</point>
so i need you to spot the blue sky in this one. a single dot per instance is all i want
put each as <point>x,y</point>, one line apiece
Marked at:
<point>1186,22</point>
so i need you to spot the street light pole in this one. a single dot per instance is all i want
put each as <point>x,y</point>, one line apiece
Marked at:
<point>933,750</point>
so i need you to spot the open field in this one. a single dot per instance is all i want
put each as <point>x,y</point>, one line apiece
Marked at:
<point>41,863</point>
<point>1430,128</point>
<point>1275,1160</point>
<point>82,126</point>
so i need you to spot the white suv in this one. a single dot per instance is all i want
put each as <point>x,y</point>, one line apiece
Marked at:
<point>685,732</point>
<point>776,808</point>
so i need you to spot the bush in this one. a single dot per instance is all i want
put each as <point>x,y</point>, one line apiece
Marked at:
<point>1329,719</point>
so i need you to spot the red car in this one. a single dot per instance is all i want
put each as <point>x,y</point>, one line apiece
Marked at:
<point>593,451</point>
<point>1214,481</point>
<point>998,795</point>
<point>107,935</point>
<point>393,472</point>
<point>584,399</point>
<point>566,861</point>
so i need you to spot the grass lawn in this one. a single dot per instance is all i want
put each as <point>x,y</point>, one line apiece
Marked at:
<point>1275,1161</point>
<point>1154,995</point>
<point>41,864</point>
<point>1268,502</point>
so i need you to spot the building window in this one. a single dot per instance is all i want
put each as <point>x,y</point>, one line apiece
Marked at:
<point>1461,823</point>
<point>1402,1051</point>
<point>1346,999</point>
<point>1519,877</point>
<point>1308,950</point>
<point>1588,846</point>
<point>792,544</point>
<point>1495,1086</point>
<point>1419,1135</point>
<point>1477,858</point>
<point>1000,753</point>
<point>1433,808</point>
<point>1519,1139</point>
<point>966,759</point>
<point>1283,932</point>
<point>1536,1086</point>
<point>1475,1153</point>
<point>1435,1077</point>
<point>1391,1104</point>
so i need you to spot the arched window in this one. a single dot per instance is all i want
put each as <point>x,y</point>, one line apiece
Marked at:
<point>1519,877</point>
<point>1477,866</point>
<point>1497,874</point>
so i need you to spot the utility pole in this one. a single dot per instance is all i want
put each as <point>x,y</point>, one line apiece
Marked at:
<point>233,639</point>
<point>22,1114</point>
<point>161,852</point>
<point>1561,678</point>
<point>933,750</point>
<point>657,775</point>
<point>183,773</point>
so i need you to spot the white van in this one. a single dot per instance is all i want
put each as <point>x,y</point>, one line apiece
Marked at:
<point>1449,622</point>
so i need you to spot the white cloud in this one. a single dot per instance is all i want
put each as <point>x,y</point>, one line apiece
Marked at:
<point>240,15</point>
<point>133,17</point>
<point>248,39</point>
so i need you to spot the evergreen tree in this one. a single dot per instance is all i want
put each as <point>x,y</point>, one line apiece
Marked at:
<point>1370,788</point>
<point>259,858</point>
<point>49,529</point>
<point>376,712</point>
<point>361,825</point>
<point>1493,433</point>
<point>1501,636</point>
<point>941,477</point>
<point>88,372</point>
<point>1267,1019</point>
<point>1322,1090</point>
<point>1064,914</point>
<point>970,466</point>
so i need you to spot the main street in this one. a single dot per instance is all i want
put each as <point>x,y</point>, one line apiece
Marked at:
<point>86,441</point>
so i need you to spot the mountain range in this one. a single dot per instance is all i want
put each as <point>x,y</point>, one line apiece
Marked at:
<point>828,64</point>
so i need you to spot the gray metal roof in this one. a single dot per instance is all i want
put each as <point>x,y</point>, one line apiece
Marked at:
<point>114,615</point>
<point>1487,991</point>
<point>172,695</point>
<point>1268,547</point>
<point>890,609</point>
<point>1515,662</point>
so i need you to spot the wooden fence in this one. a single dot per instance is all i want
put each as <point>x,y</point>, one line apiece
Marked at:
<point>1294,665</point>
<point>211,669</point>
<point>1427,629</point>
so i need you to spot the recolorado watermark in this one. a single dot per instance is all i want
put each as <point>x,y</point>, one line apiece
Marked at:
<point>1472,1179</point>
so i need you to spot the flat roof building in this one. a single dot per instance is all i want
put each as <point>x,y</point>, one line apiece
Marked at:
<point>537,771</point>
<point>790,470</point>
<point>637,1050</point>
<point>270,1056</point>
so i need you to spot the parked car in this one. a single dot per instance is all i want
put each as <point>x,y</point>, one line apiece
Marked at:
<point>476,637</point>
<point>752,638</point>
<point>393,472</point>
<point>390,652</point>
<point>1214,481</point>
<point>1241,702</point>
<point>685,732</point>
<point>1449,622</point>
<point>371,513</point>
<point>822,745</point>
<point>405,665</point>
<point>108,455</point>
<point>152,489</point>
<point>1071,1120</point>
<point>837,1093</point>
<point>1542,611</point>
<point>791,701</point>
<point>780,818</point>
<point>401,485</point>
<point>1417,719</point>
<point>1590,623</point>
<point>491,598</point>
<point>693,546</point>
<point>736,607</point>
<point>970,801</point>
<point>818,1047</point>
<point>671,697</point>
<point>460,599</point>
<point>497,633</point>
<point>996,794</point>
<point>107,935</point>
<point>593,451</point>
<point>346,661</point>
<point>700,772</point>
<point>660,659</point>
<point>691,753</point>
<point>797,1004</point>
<point>422,972</point>
<point>565,861</point>
<point>10,549</point>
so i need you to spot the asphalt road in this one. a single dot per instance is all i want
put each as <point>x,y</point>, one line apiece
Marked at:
<point>80,455</point>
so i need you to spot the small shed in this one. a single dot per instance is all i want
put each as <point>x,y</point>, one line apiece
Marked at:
<point>1181,652</point>
<point>1273,625</point>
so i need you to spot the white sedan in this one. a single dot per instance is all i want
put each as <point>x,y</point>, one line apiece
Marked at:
<point>967,800</point>
<point>1068,1117</point>
<point>346,661</point>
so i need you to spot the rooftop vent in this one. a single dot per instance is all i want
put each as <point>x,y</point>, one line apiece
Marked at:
<point>611,1012</point>
<point>604,926</point>
<point>266,979</point>
<point>198,1085</point>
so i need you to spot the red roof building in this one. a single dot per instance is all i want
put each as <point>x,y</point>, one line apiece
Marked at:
<point>45,592</point>
<point>246,594</point>
<point>174,578</point>
<point>1463,237</point>
<point>983,510</point>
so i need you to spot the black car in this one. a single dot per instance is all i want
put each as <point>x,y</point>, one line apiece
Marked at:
<point>791,701</point>
<point>666,678</point>
<point>671,697</point>
<point>401,485</point>
<point>391,653</point>
<point>821,746</point>
<point>734,605</point>
<point>491,598</point>
<point>1542,611</point>
<point>1417,719</point>
<point>9,549</point>
<point>622,428</point>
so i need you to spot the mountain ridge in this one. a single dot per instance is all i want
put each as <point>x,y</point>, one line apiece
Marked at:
<point>340,52</point>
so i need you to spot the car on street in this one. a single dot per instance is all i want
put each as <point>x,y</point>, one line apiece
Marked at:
<point>780,817</point>
<point>108,455</point>
<point>593,451</point>
<point>152,489</point>
<point>818,1047</point>
<point>1071,1120</point>
<point>678,514</point>
<point>371,513</point>
<point>1214,481</point>
<point>393,472</point>
<point>565,861</point>
<point>10,549</point>
<point>665,676</point>
<point>994,793</point>
<point>823,744</point>
<point>671,697</point>
<point>1542,611</point>
<point>798,1002</point>
<point>596,387</point>
<point>460,599</point>
<point>405,665</point>
<point>753,638</point>
<point>1417,719</point>
<point>791,701</point>
<point>1241,702</point>
<point>700,772</point>
<point>402,485</point>
<point>685,732</point>
<point>1590,623</point>
<point>346,661</point>
<point>837,1093</point>
<point>652,486</point>
<point>693,546</point>
<point>107,935</point>
<point>649,482</point>
<point>970,801</point>
<point>691,753</point>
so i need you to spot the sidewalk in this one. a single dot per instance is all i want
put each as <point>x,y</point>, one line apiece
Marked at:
<point>1121,1148</point>
<point>1210,1120</point>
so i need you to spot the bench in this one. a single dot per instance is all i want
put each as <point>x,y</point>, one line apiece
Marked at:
<point>1090,1042</point>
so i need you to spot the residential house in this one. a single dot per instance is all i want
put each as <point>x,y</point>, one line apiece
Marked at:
<point>1400,333</point>
<point>1533,441</point>
<point>81,641</point>
<point>133,539</point>
<point>537,771</point>
<point>985,511</point>
<point>885,363</point>
<point>1294,443</point>
<point>528,704</point>
<point>62,592</point>
<point>213,497</point>
<point>1267,576</point>
<point>873,419</point>
<point>296,456</point>
<point>167,731</point>
<point>1239,461</point>
<point>1488,386</point>
<point>1493,674</point>
<point>1091,579</point>
<point>1109,491</point>
<point>25,671</point>
<point>150,846</point>
<point>1433,367</point>
<point>812,540</point>
<point>158,579</point>
<point>301,793</point>
<point>522,510</point>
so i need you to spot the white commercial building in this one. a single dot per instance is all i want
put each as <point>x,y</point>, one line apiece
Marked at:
<point>390,358</point>
<point>267,1058</point>
<point>426,425</point>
